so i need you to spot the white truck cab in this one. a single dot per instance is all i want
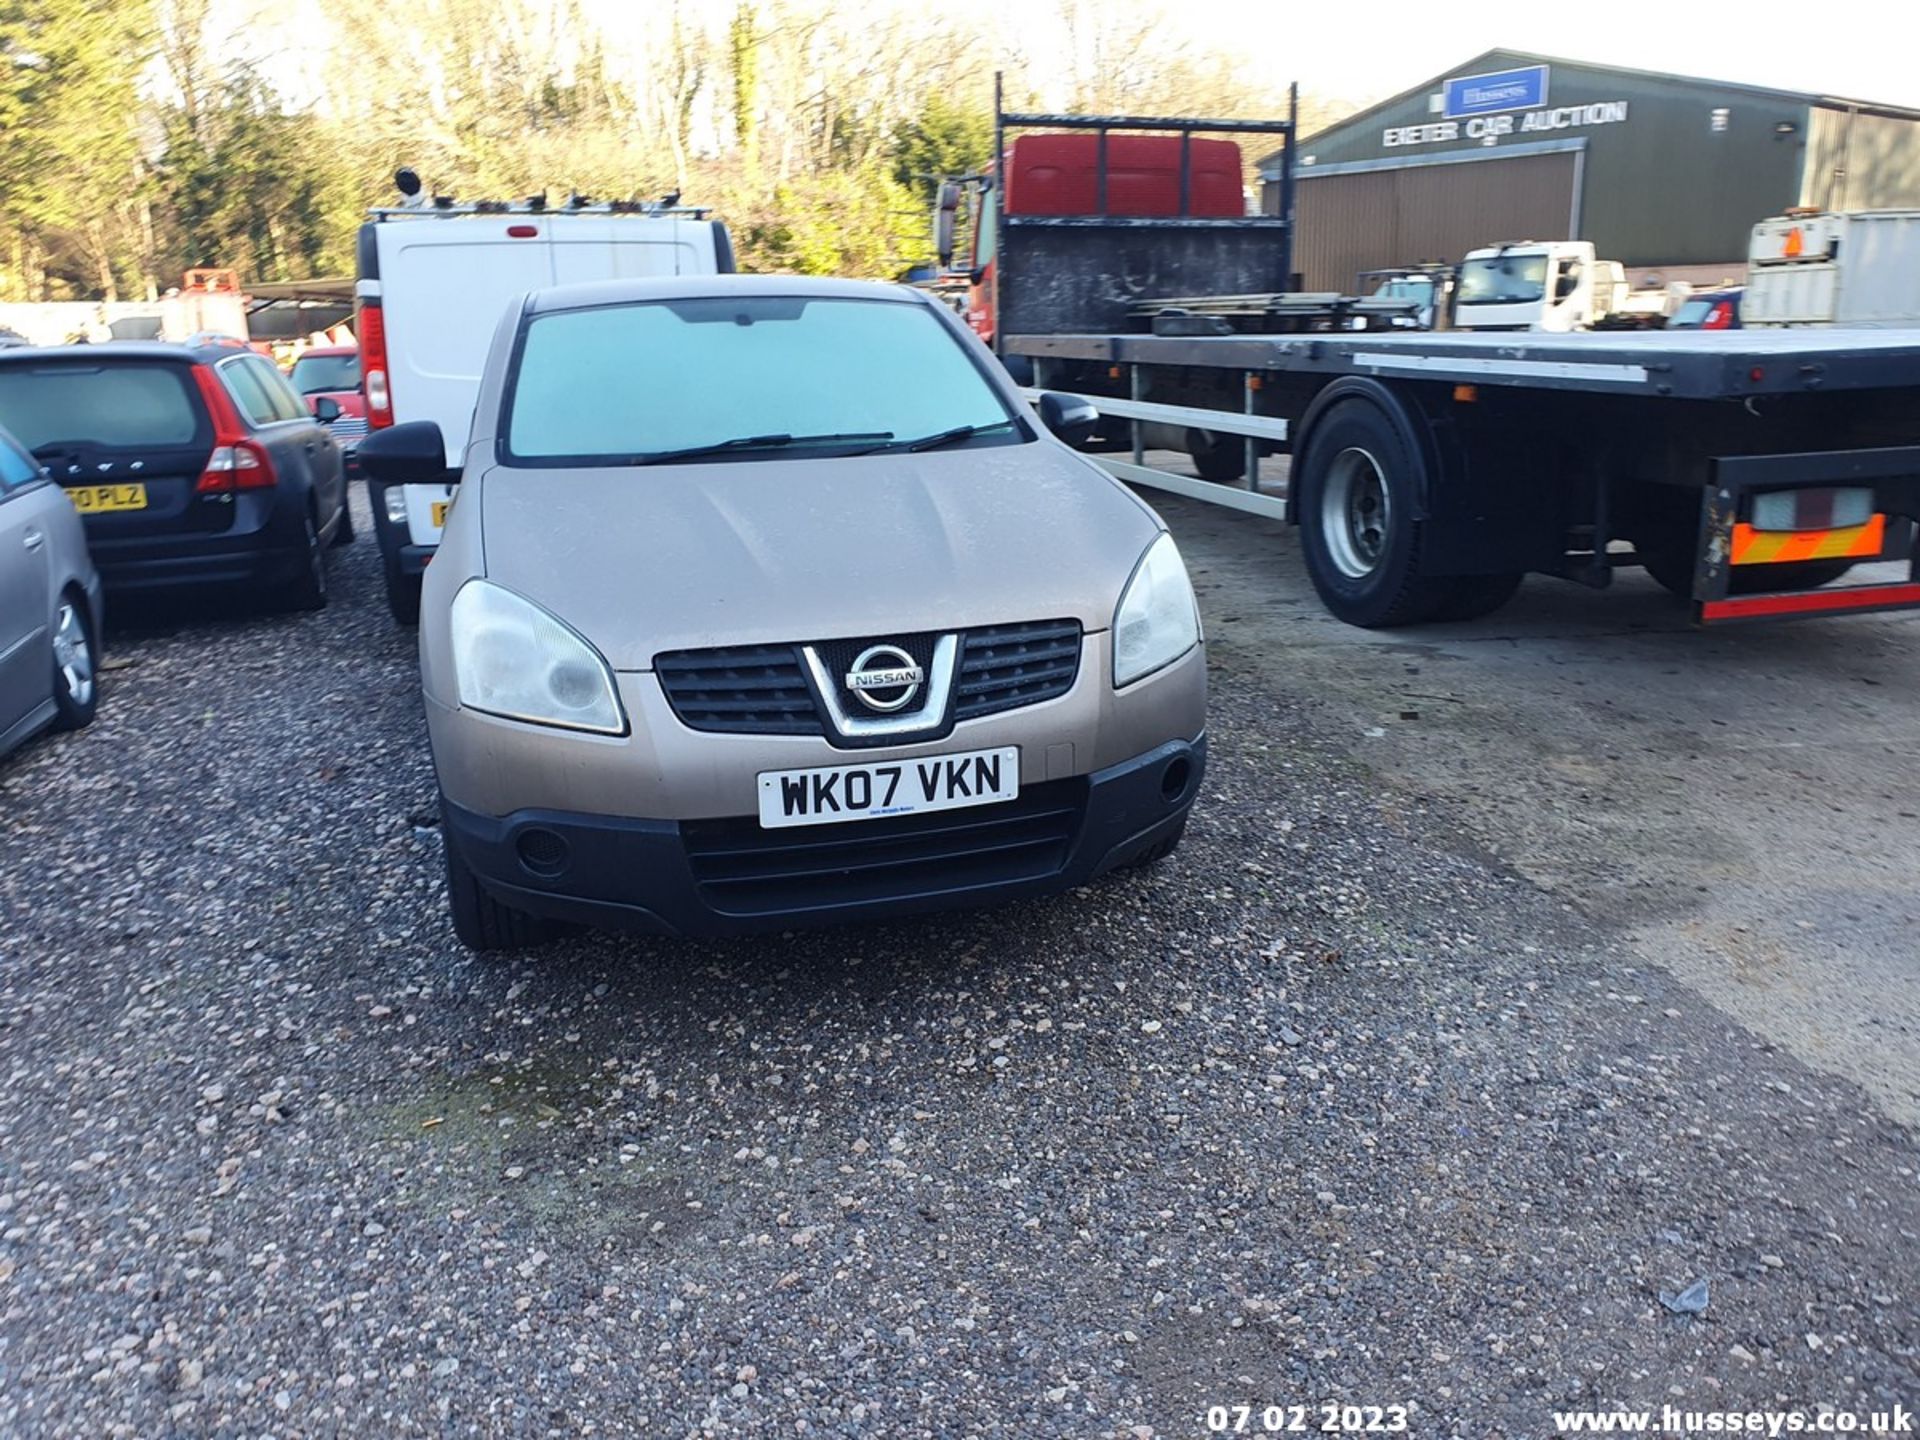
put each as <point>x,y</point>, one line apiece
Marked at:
<point>433,281</point>
<point>1554,285</point>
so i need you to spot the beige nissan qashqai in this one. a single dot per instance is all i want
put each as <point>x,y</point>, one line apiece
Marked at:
<point>766,602</point>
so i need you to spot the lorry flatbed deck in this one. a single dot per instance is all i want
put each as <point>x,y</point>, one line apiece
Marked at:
<point>1745,470</point>
<point>1686,364</point>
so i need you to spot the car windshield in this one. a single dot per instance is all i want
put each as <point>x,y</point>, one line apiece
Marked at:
<point>111,405</point>
<point>320,374</point>
<point>760,375</point>
<point>1502,280</point>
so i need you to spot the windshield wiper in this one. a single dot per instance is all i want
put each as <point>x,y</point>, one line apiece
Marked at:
<point>940,438</point>
<point>759,442</point>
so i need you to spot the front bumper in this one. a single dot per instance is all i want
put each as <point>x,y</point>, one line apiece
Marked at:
<point>729,877</point>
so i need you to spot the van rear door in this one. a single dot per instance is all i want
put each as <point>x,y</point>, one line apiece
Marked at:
<point>587,247</point>
<point>443,284</point>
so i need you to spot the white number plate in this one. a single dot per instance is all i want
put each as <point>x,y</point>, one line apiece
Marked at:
<point>838,793</point>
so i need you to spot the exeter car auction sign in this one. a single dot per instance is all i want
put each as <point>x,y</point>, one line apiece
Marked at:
<point>1504,102</point>
<point>1524,89</point>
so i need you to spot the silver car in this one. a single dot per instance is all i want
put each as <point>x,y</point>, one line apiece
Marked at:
<point>766,602</point>
<point>50,604</point>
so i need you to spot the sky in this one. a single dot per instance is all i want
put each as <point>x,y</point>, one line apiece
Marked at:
<point>1369,49</point>
<point>1365,50</point>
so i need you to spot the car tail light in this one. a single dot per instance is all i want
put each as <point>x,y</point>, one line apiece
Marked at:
<point>236,463</point>
<point>239,466</point>
<point>371,325</point>
<point>1825,509</point>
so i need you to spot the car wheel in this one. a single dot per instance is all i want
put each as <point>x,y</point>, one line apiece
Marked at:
<point>308,589</point>
<point>1476,596</point>
<point>482,922</point>
<point>76,686</point>
<point>1358,490</point>
<point>403,595</point>
<point>1218,458</point>
<point>343,533</point>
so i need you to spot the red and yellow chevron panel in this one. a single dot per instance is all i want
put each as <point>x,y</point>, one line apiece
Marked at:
<point>1772,547</point>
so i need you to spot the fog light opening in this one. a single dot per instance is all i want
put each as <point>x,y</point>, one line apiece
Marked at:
<point>542,852</point>
<point>1175,779</point>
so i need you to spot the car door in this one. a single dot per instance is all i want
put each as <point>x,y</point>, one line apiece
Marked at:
<point>327,467</point>
<point>26,676</point>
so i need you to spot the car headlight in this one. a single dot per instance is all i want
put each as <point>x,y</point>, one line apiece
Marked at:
<point>513,659</point>
<point>1157,621</point>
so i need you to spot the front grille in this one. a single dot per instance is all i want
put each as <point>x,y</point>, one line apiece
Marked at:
<point>762,689</point>
<point>742,869</point>
<point>1007,666</point>
<point>837,656</point>
<point>739,690</point>
<point>349,430</point>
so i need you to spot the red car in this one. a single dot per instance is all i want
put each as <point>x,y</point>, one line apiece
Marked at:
<point>329,377</point>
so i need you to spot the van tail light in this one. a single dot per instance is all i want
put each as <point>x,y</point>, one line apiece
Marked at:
<point>236,462</point>
<point>371,326</point>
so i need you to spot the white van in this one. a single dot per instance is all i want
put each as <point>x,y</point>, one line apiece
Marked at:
<point>433,282</point>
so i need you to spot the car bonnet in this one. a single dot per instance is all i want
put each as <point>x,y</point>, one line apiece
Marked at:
<point>643,560</point>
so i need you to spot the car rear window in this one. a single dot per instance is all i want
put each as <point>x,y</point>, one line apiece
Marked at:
<point>115,405</point>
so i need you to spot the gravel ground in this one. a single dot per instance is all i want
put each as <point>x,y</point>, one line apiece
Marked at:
<point>1324,1108</point>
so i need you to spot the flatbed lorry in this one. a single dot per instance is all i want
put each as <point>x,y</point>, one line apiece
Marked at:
<point>1747,471</point>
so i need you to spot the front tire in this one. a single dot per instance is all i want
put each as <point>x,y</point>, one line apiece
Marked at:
<point>76,685</point>
<point>1158,851</point>
<point>482,922</point>
<point>1359,492</point>
<point>403,595</point>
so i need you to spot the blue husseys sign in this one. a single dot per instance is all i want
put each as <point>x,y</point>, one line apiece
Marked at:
<point>1503,90</point>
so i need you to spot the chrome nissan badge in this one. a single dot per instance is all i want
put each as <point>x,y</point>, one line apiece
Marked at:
<point>885,678</point>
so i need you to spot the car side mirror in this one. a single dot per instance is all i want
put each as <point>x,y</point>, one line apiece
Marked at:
<point>1070,417</point>
<point>326,410</point>
<point>411,454</point>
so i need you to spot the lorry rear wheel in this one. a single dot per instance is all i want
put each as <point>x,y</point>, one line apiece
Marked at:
<point>1675,573</point>
<point>1217,457</point>
<point>1794,575</point>
<point>1476,596</point>
<point>1359,490</point>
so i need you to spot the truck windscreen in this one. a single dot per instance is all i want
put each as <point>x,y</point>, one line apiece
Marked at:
<point>1502,280</point>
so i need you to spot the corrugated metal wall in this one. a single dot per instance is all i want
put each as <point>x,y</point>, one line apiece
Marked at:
<point>1379,218</point>
<point>1861,161</point>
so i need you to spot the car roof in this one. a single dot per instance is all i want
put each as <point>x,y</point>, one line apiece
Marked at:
<point>123,350</point>
<point>700,287</point>
<point>327,351</point>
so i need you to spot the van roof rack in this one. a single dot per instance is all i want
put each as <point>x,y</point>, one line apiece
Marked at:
<point>445,206</point>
